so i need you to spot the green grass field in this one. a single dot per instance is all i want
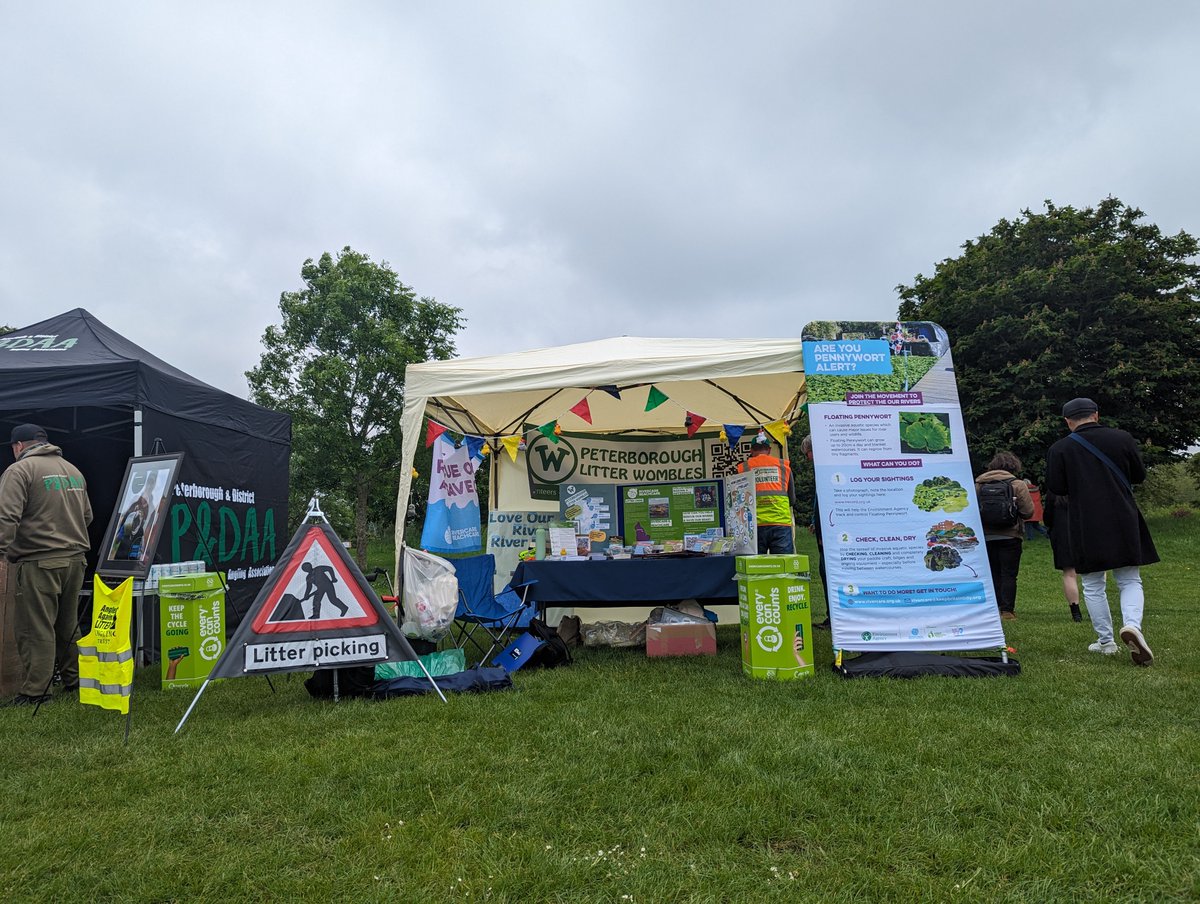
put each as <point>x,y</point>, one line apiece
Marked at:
<point>625,779</point>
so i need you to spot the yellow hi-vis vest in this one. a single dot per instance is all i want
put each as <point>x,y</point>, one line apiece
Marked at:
<point>106,653</point>
<point>772,477</point>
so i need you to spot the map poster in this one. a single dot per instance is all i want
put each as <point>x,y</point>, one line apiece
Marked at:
<point>903,542</point>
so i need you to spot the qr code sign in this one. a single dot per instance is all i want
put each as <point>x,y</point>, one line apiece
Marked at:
<point>725,460</point>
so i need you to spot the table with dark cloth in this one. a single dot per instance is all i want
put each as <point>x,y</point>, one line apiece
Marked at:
<point>629,582</point>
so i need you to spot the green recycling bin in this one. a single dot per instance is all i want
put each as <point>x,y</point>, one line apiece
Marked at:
<point>192,619</point>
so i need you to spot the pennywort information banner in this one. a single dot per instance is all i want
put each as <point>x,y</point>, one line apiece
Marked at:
<point>903,542</point>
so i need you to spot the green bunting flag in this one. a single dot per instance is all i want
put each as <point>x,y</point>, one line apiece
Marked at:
<point>548,431</point>
<point>655,398</point>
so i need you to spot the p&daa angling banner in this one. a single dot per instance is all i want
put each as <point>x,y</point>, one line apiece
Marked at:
<point>900,526</point>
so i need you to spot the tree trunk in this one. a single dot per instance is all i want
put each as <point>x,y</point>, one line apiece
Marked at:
<point>360,522</point>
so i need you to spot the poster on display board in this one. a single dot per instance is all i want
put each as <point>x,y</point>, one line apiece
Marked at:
<point>741,513</point>
<point>592,507</point>
<point>903,542</point>
<point>669,511</point>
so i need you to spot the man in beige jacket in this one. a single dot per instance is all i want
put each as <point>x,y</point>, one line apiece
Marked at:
<point>44,517</point>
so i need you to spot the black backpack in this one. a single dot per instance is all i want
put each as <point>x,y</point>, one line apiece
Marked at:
<point>554,650</point>
<point>998,504</point>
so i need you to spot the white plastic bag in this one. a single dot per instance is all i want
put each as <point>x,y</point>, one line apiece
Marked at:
<point>430,595</point>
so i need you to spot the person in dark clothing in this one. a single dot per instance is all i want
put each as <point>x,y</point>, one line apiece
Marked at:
<point>44,518</point>
<point>1054,514</point>
<point>1095,468</point>
<point>1004,544</point>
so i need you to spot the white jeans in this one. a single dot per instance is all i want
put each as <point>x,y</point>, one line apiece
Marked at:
<point>1095,597</point>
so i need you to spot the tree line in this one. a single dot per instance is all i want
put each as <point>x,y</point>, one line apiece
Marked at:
<point>1048,306</point>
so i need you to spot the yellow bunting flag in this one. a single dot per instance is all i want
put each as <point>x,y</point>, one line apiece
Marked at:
<point>511,445</point>
<point>779,430</point>
<point>106,653</point>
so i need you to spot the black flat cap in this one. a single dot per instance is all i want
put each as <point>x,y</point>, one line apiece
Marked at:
<point>1079,408</point>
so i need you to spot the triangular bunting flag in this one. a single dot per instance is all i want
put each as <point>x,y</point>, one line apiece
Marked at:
<point>511,445</point>
<point>655,398</point>
<point>779,431</point>
<point>474,447</point>
<point>733,433</point>
<point>693,422</point>
<point>550,431</point>
<point>582,409</point>
<point>612,390</point>
<point>432,432</point>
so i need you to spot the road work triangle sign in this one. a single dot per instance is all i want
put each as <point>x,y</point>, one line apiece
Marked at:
<point>316,610</point>
<point>317,589</point>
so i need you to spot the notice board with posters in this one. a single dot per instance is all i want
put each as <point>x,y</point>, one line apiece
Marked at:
<point>903,541</point>
<point>654,513</point>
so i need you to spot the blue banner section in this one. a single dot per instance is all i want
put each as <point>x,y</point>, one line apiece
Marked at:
<point>971,593</point>
<point>451,529</point>
<point>847,357</point>
<point>452,520</point>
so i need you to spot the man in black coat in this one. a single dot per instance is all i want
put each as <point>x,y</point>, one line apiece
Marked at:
<point>1095,468</point>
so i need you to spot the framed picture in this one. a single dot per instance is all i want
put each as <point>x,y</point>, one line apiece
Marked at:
<point>139,516</point>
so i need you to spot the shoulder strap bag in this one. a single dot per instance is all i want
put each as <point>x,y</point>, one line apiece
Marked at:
<point>1112,465</point>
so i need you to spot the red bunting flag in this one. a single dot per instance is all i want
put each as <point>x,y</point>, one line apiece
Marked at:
<point>581,408</point>
<point>432,433</point>
<point>693,422</point>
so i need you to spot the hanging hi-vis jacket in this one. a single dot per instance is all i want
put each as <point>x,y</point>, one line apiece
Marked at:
<point>772,486</point>
<point>106,653</point>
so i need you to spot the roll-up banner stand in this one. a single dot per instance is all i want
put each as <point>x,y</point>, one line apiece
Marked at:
<point>904,550</point>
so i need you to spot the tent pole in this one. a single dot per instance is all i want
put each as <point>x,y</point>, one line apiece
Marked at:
<point>137,432</point>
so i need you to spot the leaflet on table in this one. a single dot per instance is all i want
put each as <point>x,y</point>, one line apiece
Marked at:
<point>592,506</point>
<point>903,543</point>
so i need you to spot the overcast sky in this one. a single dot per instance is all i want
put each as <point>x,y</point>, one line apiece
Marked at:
<point>561,171</point>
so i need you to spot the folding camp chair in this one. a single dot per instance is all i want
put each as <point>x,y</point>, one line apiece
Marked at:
<point>480,608</point>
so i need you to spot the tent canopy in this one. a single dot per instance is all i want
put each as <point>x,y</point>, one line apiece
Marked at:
<point>727,381</point>
<point>103,399</point>
<point>74,360</point>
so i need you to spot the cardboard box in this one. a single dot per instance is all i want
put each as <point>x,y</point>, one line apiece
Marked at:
<point>192,627</point>
<point>792,563</point>
<point>690,639</point>
<point>776,626</point>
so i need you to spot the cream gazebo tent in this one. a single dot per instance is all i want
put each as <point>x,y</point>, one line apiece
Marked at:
<point>727,381</point>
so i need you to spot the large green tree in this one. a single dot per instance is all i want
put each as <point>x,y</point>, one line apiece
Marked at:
<point>336,365</point>
<point>1065,303</point>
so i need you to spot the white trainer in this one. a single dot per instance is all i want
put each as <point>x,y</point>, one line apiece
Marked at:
<point>1108,649</point>
<point>1138,648</point>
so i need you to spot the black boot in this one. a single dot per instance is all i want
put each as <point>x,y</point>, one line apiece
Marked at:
<point>1076,615</point>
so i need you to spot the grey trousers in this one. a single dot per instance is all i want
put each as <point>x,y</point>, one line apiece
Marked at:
<point>46,619</point>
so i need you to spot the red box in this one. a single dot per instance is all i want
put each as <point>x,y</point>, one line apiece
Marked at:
<point>693,639</point>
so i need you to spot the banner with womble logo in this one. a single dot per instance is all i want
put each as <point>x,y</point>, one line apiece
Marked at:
<point>587,458</point>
